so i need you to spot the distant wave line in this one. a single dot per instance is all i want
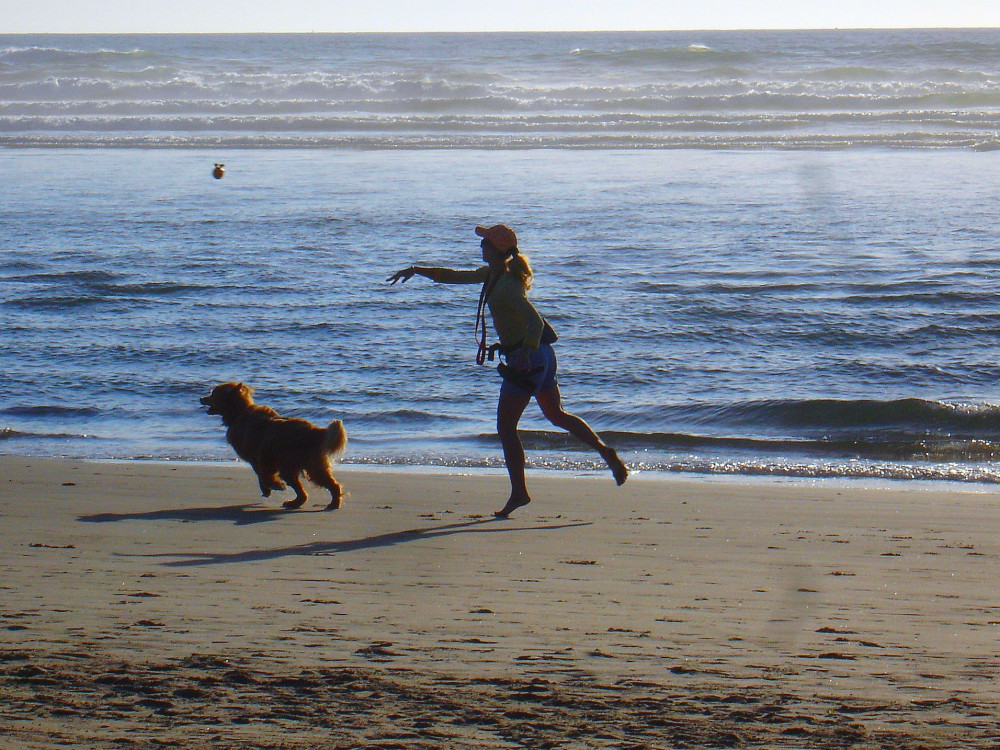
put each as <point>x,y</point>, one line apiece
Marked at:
<point>717,97</point>
<point>984,141</point>
<point>278,117</point>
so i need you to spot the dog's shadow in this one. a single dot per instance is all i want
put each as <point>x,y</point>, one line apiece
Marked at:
<point>390,539</point>
<point>240,515</point>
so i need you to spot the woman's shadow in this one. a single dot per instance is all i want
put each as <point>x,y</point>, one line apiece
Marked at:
<point>246,514</point>
<point>390,539</point>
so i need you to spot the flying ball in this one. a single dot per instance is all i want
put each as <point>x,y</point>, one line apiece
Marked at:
<point>219,171</point>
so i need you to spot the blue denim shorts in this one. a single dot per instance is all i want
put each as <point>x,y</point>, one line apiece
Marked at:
<point>545,357</point>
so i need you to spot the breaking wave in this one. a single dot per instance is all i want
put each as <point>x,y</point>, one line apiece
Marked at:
<point>914,90</point>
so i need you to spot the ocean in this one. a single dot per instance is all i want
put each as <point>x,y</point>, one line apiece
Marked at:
<point>765,253</point>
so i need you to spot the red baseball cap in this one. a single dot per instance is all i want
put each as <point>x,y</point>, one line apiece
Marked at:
<point>500,236</point>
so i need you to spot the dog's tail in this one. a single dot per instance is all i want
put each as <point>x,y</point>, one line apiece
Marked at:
<point>335,439</point>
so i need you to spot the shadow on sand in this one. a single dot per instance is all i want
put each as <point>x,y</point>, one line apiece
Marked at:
<point>478,526</point>
<point>241,515</point>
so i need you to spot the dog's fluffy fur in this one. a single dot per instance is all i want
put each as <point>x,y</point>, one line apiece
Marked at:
<point>279,449</point>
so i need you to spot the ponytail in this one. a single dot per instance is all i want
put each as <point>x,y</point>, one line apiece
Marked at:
<point>519,266</point>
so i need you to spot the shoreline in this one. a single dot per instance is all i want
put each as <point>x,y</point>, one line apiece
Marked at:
<point>641,475</point>
<point>680,612</point>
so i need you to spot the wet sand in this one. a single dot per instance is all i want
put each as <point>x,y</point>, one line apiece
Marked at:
<point>146,605</point>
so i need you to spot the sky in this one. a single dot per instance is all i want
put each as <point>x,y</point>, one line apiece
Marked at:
<point>172,16</point>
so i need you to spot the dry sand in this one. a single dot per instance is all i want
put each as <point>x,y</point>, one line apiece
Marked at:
<point>162,605</point>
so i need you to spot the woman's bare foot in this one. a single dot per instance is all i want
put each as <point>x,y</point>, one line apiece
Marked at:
<point>513,504</point>
<point>618,469</point>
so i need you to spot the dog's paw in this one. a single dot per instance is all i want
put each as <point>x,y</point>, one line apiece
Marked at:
<point>266,486</point>
<point>334,505</point>
<point>293,504</point>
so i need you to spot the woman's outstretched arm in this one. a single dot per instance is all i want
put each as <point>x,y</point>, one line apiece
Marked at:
<point>441,275</point>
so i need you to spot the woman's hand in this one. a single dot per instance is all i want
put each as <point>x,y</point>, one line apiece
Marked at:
<point>403,276</point>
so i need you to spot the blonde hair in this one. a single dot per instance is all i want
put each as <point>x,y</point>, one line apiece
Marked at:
<point>519,266</point>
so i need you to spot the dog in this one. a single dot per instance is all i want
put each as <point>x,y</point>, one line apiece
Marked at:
<point>279,449</point>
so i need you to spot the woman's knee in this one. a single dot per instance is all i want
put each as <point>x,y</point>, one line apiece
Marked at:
<point>558,417</point>
<point>506,428</point>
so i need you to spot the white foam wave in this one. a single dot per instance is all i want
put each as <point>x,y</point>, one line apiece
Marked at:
<point>37,56</point>
<point>846,470</point>
<point>154,84</point>
<point>622,91</point>
<point>252,125</point>
<point>498,142</point>
<point>965,474</point>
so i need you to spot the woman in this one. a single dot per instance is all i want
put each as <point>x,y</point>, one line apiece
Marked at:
<point>526,343</point>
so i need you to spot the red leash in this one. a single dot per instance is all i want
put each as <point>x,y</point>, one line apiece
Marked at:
<point>484,295</point>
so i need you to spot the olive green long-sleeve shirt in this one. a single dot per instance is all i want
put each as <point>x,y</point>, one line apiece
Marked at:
<point>515,319</point>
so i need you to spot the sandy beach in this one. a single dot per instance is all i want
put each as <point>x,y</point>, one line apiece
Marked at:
<point>147,605</point>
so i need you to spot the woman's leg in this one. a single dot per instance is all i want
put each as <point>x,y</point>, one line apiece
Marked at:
<point>510,407</point>
<point>550,402</point>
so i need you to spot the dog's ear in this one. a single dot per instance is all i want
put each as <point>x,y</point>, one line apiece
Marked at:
<point>245,390</point>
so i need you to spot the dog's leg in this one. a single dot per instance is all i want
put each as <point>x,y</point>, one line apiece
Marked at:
<point>336,495</point>
<point>268,480</point>
<point>320,474</point>
<point>265,486</point>
<point>300,492</point>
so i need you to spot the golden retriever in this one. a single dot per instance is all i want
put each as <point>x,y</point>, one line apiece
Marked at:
<point>279,449</point>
